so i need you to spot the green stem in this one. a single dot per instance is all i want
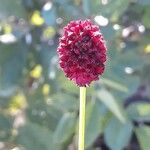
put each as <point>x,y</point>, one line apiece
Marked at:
<point>82,118</point>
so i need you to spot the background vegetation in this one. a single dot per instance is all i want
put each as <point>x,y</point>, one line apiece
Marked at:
<point>39,106</point>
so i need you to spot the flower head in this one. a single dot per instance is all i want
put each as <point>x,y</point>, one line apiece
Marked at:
<point>82,52</point>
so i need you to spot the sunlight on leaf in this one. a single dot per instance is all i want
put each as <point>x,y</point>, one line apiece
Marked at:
<point>143,109</point>
<point>117,135</point>
<point>111,103</point>
<point>65,128</point>
<point>143,134</point>
<point>114,85</point>
<point>95,117</point>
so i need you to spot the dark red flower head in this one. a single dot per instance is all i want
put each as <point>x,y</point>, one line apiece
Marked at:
<point>82,52</point>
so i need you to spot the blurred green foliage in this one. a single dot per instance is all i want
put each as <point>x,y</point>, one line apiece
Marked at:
<point>39,106</point>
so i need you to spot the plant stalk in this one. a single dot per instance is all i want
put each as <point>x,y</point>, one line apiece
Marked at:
<point>82,118</point>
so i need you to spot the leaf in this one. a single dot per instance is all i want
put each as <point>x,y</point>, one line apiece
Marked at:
<point>47,58</point>
<point>73,11</point>
<point>12,64</point>
<point>145,17</point>
<point>68,86</point>
<point>65,128</point>
<point>117,135</point>
<point>32,136</point>
<point>139,112</point>
<point>144,109</point>
<point>143,135</point>
<point>49,16</point>
<point>110,103</point>
<point>5,127</point>
<point>144,74</point>
<point>65,102</point>
<point>29,4</point>
<point>86,7</point>
<point>95,118</point>
<point>114,85</point>
<point>11,8</point>
<point>42,112</point>
<point>108,33</point>
<point>132,111</point>
<point>144,2</point>
<point>114,9</point>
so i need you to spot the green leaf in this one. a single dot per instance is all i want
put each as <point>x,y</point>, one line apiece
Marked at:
<point>42,111</point>
<point>95,119</point>
<point>49,16</point>
<point>144,74</point>
<point>132,111</point>
<point>144,2</point>
<point>86,7</point>
<point>32,136</point>
<point>117,135</point>
<point>143,109</point>
<point>68,86</point>
<point>68,7</point>
<point>145,18</point>
<point>13,58</point>
<point>11,8</point>
<point>114,85</point>
<point>108,33</point>
<point>65,128</point>
<point>143,135</point>
<point>47,58</point>
<point>138,111</point>
<point>114,9</point>
<point>110,102</point>
<point>65,102</point>
<point>5,127</point>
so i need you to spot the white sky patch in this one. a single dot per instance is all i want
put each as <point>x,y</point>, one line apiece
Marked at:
<point>104,2</point>
<point>128,70</point>
<point>116,26</point>
<point>141,28</point>
<point>47,6</point>
<point>126,32</point>
<point>102,21</point>
<point>7,38</point>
